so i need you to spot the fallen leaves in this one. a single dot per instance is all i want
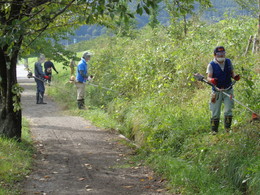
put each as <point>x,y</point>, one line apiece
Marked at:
<point>128,187</point>
<point>81,179</point>
<point>88,166</point>
<point>88,188</point>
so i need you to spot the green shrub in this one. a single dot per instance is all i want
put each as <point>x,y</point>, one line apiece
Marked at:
<point>154,100</point>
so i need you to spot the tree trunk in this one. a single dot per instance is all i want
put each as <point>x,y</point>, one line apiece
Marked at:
<point>10,120</point>
<point>185,25</point>
<point>250,40</point>
<point>11,124</point>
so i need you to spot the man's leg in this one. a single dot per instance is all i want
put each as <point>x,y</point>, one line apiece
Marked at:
<point>49,75</point>
<point>229,105</point>
<point>215,108</point>
<point>41,92</point>
<point>37,91</point>
<point>80,94</point>
<point>37,97</point>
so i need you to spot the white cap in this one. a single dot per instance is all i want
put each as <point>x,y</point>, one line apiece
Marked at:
<point>86,54</point>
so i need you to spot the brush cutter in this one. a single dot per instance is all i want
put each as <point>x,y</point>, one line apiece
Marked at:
<point>100,87</point>
<point>30,75</point>
<point>200,77</point>
<point>90,78</point>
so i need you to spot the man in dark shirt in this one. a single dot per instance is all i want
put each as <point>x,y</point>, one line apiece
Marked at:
<point>39,77</point>
<point>48,66</point>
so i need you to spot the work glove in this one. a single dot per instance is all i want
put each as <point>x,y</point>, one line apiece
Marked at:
<point>29,75</point>
<point>214,81</point>
<point>90,78</point>
<point>237,77</point>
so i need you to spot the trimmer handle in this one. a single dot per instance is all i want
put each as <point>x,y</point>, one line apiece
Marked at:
<point>30,75</point>
<point>200,77</point>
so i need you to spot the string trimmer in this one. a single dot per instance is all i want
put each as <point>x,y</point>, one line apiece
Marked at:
<point>30,75</point>
<point>200,77</point>
<point>73,80</point>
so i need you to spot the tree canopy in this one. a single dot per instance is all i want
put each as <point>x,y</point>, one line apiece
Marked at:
<point>26,23</point>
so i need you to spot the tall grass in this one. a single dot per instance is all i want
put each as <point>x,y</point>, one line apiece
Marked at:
<point>155,101</point>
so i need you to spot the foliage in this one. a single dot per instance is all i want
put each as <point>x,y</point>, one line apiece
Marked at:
<point>15,161</point>
<point>251,5</point>
<point>17,90</point>
<point>160,15</point>
<point>155,101</point>
<point>24,22</point>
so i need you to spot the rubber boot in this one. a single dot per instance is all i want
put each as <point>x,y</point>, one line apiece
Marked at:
<point>41,99</point>
<point>37,98</point>
<point>81,104</point>
<point>214,126</point>
<point>227,123</point>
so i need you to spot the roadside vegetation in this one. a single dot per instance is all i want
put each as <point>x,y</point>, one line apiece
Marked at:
<point>15,161</point>
<point>154,100</point>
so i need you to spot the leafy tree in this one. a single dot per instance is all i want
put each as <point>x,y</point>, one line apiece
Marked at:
<point>179,9</point>
<point>251,5</point>
<point>153,20</point>
<point>23,22</point>
<point>122,28</point>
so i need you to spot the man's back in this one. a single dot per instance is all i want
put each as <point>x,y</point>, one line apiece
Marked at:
<point>48,64</point>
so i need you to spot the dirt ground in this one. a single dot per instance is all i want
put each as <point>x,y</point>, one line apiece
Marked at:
<point>75,158</point>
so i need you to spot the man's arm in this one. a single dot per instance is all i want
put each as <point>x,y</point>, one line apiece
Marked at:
<point>54,67</point>
<point>210,75</point>
<point>38,68</point>
<point>235,76</point>
<point>81,72</point>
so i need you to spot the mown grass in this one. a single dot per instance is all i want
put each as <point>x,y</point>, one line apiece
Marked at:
<point>15,161</point>
<point>155,101</point>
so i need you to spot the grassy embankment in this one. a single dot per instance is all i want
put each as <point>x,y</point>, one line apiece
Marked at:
<point>155,101</point>
<point>15,161</point>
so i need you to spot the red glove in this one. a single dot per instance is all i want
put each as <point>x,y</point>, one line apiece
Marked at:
<point>46,77</point>
<point>214,81</point>
<point>237,77</point>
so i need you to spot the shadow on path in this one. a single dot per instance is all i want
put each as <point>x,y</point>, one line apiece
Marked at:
<point>74,157</point>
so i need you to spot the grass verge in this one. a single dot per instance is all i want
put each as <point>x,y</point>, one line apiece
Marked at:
<point>15,161</point>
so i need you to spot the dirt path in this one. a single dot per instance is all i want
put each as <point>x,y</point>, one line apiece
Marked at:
<point>74,157</point>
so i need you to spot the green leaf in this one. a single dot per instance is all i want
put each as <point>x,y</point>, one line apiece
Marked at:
<point>139,11</point>
<point>147,10</point>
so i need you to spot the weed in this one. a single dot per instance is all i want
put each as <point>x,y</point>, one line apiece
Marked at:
<point>156,103</point>
<point>15,161</point>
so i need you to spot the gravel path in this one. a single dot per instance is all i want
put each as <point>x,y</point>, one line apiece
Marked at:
<point>74,157</point>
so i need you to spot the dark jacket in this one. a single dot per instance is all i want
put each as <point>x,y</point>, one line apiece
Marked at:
<point>49,64</point>
<point>38,72</point>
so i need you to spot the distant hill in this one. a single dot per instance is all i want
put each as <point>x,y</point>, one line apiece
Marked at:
<point>214,14</point>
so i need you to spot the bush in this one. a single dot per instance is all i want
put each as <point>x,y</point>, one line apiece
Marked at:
<point>154,100</point>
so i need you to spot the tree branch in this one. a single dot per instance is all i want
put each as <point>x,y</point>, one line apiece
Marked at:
<point>51,19</point>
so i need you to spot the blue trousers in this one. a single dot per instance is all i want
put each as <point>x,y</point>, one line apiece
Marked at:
<point>40,86</point>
